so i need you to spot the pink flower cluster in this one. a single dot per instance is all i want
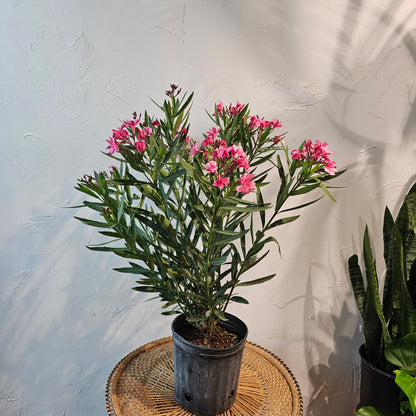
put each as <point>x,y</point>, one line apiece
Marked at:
<point>230,110</point>
<point>223,161</point>
<point>130,132</point>
<point>317,153</point>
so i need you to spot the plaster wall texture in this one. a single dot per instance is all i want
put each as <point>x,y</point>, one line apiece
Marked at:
<point>342,71</point>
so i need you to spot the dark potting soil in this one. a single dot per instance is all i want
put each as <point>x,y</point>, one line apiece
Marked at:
<point>221,339</point>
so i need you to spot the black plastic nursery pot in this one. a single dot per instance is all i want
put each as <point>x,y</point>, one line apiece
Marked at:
<point>206,379</point>
<point>378,387</point>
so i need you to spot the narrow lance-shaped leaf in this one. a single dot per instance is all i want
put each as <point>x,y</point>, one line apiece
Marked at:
<point>257,281</point>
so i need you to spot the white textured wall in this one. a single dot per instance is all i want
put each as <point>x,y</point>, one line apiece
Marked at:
<point>340,70</point>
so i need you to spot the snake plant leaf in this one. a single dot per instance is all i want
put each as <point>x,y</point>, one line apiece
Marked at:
<point>388,281</point>
<point>402,353</point>
<point>408,384</point>
<point>375,327</point>
<point>357,282</point>
<point>403,321</point>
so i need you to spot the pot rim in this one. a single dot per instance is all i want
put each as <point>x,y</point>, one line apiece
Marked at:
<point>363,356</point>
<point>210,350</point>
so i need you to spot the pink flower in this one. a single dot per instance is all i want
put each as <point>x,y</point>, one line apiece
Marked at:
<point>277,139</point>
<point>148,131</point>
<point>155,123</point>
<point>236,109</point>
<point>317,153</point>
<point>207,142</point>
<point>255,122</point>
<point>242,162</point>
<point>330,168</point>
<point>112,146</point>
<point>276,123</point>
<point>246,184</point>
<point>221,182</point>
<point>296,155</point>
<point>131,123</point>
<point>222,151</point>
<point>211,167</point>
<point>213,131</point>
<point>220,107</point>
<point>195,149</point>
<point>120,134</point>
<point>140,145</point>
<point>237,151</point>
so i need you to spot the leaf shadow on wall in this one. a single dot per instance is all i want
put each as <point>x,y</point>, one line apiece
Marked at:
<point>345,88</point>
<point>335,384</point>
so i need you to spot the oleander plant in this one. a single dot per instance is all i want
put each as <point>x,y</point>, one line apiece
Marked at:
<point>190,214</point>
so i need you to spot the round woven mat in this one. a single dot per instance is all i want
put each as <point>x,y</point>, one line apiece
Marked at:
<point>142,384</point>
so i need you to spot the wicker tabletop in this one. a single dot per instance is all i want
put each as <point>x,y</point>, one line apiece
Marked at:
<point>142,384</point>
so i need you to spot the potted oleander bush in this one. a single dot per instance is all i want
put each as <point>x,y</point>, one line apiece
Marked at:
<point>191,220</point>
<point>389,310</point>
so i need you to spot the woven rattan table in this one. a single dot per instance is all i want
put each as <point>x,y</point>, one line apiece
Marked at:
<point>142,384</point>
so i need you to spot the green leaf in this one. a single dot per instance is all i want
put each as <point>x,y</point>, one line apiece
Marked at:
<point>239,299</point>
<point>174,175</point>
<point>96,206</point>
<point>305,189</point>
<point>86,190</point>
<point>146,289</point>
<point>170,312</point>
<point>230,236</point>
<point>357,282</point>
<point>302,205</point>
<point>257,281</point>
<point>402,352</point>
<point>220,315</point>
<point>282,221</point>
<point>252,208</point>
<point>408,384</point>
<point>218,261</point>
<point>135,270</point>
<point>372,411</point>
<point>94,223</point>
<point>325,189</point>
<point>120,209</point>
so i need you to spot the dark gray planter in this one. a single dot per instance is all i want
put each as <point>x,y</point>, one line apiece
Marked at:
<point>206,379</point>
<point>378,388</point>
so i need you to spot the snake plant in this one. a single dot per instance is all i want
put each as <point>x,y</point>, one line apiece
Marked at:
<point>393,315</point>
